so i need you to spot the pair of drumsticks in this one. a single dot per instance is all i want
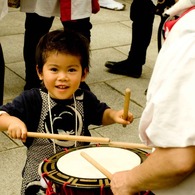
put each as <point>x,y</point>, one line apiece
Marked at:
<point>90,159</point>
<point>94,139</point>
<point>127,145</point>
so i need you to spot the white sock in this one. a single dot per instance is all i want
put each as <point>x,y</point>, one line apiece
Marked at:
<point>111,4</point>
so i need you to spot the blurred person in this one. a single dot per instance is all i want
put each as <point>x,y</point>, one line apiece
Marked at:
<point>74,15</point>
<point>142,14</point>
<point>167,122</point>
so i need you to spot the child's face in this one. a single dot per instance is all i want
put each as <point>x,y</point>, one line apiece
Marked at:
<point>61,75</point>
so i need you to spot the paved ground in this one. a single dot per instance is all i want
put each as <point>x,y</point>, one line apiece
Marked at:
<point>111,37</point>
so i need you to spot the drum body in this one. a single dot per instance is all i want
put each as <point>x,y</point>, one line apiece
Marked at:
<point>74,175</point>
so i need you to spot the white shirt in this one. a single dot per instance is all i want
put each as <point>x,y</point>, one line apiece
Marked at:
<point>72,9</point>
<point>154,1</point>
<point>41,7</point>
<point>75,9</point>
<point>169,117</point>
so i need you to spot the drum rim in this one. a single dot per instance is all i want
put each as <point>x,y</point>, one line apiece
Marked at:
<point>52,161</point>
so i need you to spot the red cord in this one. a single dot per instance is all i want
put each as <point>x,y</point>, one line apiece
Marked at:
<point>65,188</point>
<point>49,190</point>
<point>102,189</point>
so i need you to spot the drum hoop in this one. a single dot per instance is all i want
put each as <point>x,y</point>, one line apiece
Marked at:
<point>52,172</point>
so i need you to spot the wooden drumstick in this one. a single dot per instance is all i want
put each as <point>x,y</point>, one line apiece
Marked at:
<point>129,145</point>
<point>96,165</point>
<point>126,104</point>
<point>69,137</point>
<point>87,139</point>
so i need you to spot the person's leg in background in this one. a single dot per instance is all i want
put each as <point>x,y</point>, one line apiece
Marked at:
<point>35,27</point>
<point>82,26</point>
<point>142,14</point>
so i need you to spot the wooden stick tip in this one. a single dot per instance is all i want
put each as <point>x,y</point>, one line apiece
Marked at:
<point>127,90</point>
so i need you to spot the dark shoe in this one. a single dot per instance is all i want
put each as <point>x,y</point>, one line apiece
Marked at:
<point>112,65</point>
<point>124,68</point>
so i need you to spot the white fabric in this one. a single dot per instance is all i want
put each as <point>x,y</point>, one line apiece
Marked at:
<point>154,1</point>
<point>169,118</point>
<point>74,9</point>
<point>41,7</point>
<point>179,7</point>
<point>3,8</point>
<point>111,4</point>
<point>81,9</point>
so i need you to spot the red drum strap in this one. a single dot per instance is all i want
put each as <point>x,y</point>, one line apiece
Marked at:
<point>49,190</point>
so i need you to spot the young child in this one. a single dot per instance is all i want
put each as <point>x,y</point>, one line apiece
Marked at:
<point>59,107</point>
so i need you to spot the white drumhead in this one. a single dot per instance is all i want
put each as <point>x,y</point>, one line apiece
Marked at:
<point>112,159</point>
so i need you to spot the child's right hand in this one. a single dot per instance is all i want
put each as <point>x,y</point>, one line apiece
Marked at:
<point>17,129</point>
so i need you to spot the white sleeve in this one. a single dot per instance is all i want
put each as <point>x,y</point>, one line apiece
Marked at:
<point>179,7</point>
<point>169,117</point>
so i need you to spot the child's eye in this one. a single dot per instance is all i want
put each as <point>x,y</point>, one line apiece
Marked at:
<point>72,70</point>
<point>53,69</point>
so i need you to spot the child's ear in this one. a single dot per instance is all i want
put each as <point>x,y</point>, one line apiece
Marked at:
<point>39,73</point>
<point>84,75</point>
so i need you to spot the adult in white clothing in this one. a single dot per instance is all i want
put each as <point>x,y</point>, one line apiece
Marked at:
<point>168,120</point>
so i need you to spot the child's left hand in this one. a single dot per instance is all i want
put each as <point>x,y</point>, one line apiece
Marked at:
<point>119,117</point>
<point>112,116</point>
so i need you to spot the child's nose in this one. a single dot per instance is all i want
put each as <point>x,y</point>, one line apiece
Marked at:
<point>63,76</point>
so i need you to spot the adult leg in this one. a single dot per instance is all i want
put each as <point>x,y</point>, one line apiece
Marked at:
<point>142,14</point>
<point>141,29</point>
<point>82,26</point>
<point>35,27</point>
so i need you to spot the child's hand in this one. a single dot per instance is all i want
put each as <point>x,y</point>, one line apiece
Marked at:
<point>119,117</point>
<point>112,116</point>
<point>17,129</point>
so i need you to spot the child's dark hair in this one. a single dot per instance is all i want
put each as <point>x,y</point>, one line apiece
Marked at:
<point>63,41</point>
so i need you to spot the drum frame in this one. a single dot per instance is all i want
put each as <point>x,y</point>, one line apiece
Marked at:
<point>51,172</point>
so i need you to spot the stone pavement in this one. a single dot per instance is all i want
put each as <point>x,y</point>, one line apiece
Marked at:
<point>111,38</point>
